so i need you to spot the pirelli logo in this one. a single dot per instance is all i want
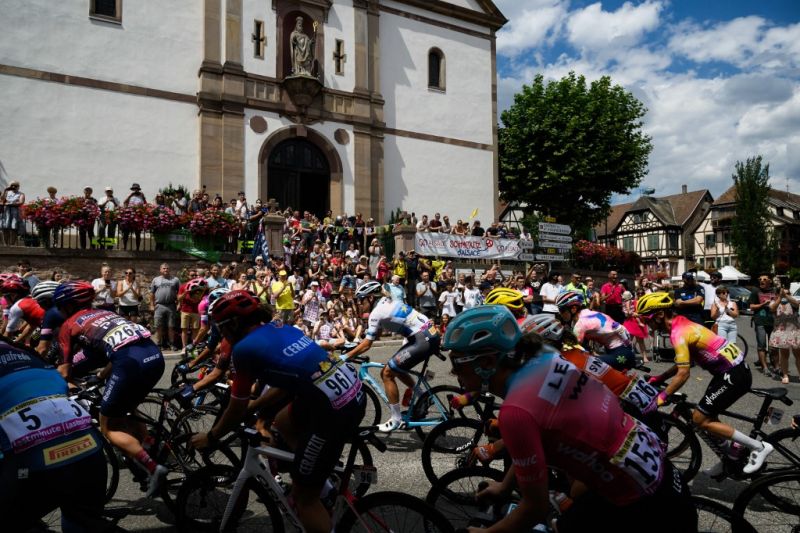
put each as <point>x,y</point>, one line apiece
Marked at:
<point>68,450</point>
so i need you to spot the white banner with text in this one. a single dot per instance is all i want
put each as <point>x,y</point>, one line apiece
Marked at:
<point>467,247</point>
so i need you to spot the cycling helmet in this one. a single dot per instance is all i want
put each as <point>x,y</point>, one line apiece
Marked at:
<point>511,298</point>
<point>232,305</point>
<point>14,286</point>
<point>652,302</point>
<point>568,299</point>
<point>481,330</point>
<point>215,294</point>
<point>6,276</point>
<point>196,284</point>
<point>76,292</point>
<point>367,289</point>
<point>44,290</point>
<point>545,324</point>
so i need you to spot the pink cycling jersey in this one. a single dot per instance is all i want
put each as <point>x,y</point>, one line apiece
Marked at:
<point>693,342</point>
<point>202,309</point>
<point>556,415</point>
<point>601,328</point>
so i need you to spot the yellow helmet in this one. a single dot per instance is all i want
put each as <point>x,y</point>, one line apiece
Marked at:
<point>510,298</point>
<point>652,302</point>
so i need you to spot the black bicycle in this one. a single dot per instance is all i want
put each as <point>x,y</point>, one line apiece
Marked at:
<point>771,503</point>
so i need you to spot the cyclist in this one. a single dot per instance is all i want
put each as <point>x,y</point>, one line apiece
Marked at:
<point>421,341</point>
<point>20,307</point>
<point>30,310</point>
<point>326,406</point>
<point>595,326</point>
<point>513,299</point>
<point>135,364</point>
<point>694,343</point>
<point>555,415</point>
<point>51,457</point>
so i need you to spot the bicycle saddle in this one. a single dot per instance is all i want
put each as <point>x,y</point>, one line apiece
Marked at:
<point>775,393</point>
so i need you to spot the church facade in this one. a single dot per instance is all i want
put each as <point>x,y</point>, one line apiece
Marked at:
<point>349,105</point>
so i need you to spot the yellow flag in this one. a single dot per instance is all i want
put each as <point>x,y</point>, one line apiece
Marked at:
<point>474,213</point>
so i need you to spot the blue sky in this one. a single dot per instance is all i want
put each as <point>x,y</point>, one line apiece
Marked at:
<point>720,79</point>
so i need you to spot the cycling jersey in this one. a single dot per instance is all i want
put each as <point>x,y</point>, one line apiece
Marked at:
<point>556,415</point>
<point>98,332</point>
<point>396,317</point>
<point>26,309</point>
<point>627,387</point>
<point>281,356</point>
<point>601,328</point>
<point>695,343</point>
<point>202,310</point>
<point>39,425</point>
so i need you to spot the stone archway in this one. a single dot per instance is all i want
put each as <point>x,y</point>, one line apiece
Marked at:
<point>333,160</point>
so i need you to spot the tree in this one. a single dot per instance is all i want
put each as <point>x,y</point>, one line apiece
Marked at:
<point>752,234</point>
<point>565,148</point>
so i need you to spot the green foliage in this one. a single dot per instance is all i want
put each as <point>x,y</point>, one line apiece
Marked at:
<point>752,235</point>
<point>177,192</point>
<point>794,274</point>
<point>565,148</point>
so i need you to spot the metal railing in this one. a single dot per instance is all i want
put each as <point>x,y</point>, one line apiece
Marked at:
<point>72,238</point>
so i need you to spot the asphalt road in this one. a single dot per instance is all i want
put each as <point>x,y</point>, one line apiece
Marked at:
<point>400,468</point>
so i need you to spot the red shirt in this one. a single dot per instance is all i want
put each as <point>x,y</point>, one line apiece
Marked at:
<point>189,304</point>
<point>613,293</point>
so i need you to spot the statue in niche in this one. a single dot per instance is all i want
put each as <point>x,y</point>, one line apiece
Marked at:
<point>302,49</point>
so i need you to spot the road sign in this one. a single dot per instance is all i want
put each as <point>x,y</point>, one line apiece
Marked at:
<point>548,227</point>
<point>526,257</point>
<point>558,245</point>
<point>550,257</point>
<point>527,245</point>
<point>553,237</point>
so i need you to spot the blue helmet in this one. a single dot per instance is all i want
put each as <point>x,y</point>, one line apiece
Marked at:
<point>483,329</point>
<point>79,293</point>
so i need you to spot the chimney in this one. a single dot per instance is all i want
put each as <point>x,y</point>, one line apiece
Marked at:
<point>684,189</point>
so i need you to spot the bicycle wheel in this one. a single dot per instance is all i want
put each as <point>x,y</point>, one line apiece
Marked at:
<point>112,470</point>
<point>433,405</point>
<point>453,495</point>
<point>372,415</point>
<point>714,517</point>
<point>449,446</point>
<point>203,497</point>
<point>742,343</point>
<point>786,456</point>
<point>393,511</point>
<point>683,446</point>
<point>771,503</point>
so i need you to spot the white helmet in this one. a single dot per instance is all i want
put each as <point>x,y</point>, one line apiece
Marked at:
<point>44,290</point>
<point>367,289</point>
<point>545,324</point>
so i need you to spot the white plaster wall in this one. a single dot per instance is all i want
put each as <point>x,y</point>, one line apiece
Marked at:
<point>261,10</point>
<point>340,25</point>
<point>71,137</point>
<point>428,177</point>
<point>464,111</point>
<point>469,4</point>
<point>155,46</point>
<point>254,141</point>
<point>436,16</point>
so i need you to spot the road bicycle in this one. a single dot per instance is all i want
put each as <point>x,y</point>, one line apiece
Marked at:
<point>218,498</point>
<point>685,451</point>
<point>428,406</point>
<point>771,503</point>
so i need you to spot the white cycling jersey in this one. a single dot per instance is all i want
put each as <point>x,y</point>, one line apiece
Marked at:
<point>396,317</point>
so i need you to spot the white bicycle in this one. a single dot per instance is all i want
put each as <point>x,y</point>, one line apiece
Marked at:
<point>218,498</point>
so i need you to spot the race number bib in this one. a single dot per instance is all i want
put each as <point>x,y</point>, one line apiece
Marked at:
<point>340,384</point>
<point>124,334</point>
<point>42,419</point>
<point>731,352</point>
<point>640,456</point>
<point>640,393</point>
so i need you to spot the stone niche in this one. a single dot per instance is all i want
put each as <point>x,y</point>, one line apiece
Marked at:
<point>287,12</point>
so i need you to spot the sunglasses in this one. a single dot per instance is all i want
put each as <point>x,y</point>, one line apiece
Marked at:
<point>129,273</point>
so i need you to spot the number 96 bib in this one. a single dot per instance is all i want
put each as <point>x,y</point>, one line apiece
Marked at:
<point>340,384</point>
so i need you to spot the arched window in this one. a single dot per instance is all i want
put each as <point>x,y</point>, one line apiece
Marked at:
<point>436,69</point>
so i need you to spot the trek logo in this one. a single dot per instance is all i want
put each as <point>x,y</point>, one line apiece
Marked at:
<point>67,450</point>
<point>588,459</point>
<point>297,346</point>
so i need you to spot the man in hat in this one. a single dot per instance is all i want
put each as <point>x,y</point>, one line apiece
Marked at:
<point>135,197</point>
<point>106,227</point>
<point>86,232</point>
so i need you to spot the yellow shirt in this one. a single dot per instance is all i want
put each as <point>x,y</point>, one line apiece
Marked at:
<point>285,299</point>
<point>438,266</point>
<point>399,268</point>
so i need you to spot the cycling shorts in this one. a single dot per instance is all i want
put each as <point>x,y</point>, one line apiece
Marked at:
<point>323,435</point>
<point>77,488</point>
<point>725,389</point>
<point>619,358</point>
<point>419,347</point>
<point>592,512</point>
<point>135,370</point>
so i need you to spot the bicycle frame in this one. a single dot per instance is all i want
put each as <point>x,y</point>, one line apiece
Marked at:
<point>420,387</point>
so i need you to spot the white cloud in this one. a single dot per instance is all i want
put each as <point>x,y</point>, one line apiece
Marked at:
<point>531,24</point>
<point>593,30</point>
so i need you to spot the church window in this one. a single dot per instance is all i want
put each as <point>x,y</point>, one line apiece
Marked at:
<point>258,39</point>
<point>339,57</point>
<point>108,10</point>
<point>436,69</point>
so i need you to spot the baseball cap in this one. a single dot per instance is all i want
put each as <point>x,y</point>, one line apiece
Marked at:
<point>282,273</point>
<point>315,282</point>
<point>688,275</point>
<point>108,189</point>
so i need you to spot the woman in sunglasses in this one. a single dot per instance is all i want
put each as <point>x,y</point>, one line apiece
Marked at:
<point>129,296</point>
